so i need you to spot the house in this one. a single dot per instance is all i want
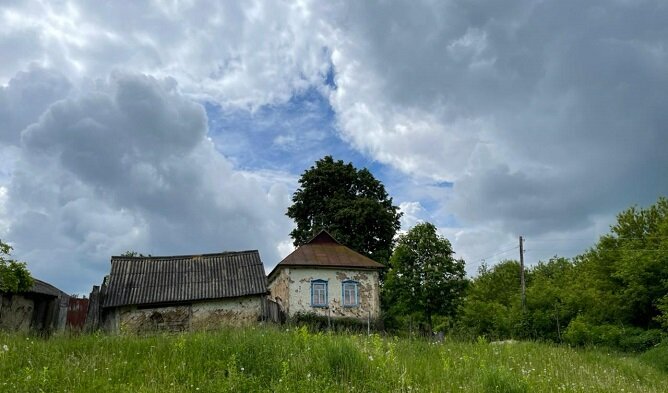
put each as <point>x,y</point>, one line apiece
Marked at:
<point>175,293</point>
<point>43,308</point>
<point>327,278</point>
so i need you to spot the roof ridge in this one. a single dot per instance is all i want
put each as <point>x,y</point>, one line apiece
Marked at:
<point>185,256</point>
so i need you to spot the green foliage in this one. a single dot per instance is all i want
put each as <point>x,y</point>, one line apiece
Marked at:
<point>424,280</point>
<point>626,274</point>
<point>582,332</point>
<point>275,360</point>
<point>349,203</point>
<point>14,275</point>
<point>492,306</point>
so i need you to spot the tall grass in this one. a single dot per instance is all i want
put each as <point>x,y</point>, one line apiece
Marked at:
<point>275,360</point>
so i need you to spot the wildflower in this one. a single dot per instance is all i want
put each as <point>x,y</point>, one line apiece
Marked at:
<point>5,348</point>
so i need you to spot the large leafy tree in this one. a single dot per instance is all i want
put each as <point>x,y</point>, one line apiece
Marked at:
<point>629,268</point>
<point>425,280</point>
<point>14,275</point>
<point>492,306</point>
<point>349,203</point>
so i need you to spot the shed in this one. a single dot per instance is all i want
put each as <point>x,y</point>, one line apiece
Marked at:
<point>186,292</point>
<point>43,308</point>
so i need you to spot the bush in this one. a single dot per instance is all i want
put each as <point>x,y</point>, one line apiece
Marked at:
<point>581,332</point>
<point>636,339</point>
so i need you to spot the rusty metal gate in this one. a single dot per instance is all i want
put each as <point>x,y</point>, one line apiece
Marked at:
<point>77,310</point>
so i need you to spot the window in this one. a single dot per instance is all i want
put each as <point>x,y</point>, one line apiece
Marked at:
<point>319,293</point>
<point>350,293</point>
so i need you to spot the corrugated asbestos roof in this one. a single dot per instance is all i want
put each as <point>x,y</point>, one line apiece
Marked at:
<point>151,280</point>
<point>324,251</point>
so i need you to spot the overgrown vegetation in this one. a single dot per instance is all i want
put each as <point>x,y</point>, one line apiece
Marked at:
<point>319,323</point>
<point>265,359</point>
<point>614,295</point>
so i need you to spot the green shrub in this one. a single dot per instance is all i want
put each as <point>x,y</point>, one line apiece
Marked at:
<point>581,333</point>
<point>636,339</point>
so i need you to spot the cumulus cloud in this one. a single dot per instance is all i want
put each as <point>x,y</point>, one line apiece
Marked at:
<point>128,166</point>
<point>544,115</point>
<point>26,97</point>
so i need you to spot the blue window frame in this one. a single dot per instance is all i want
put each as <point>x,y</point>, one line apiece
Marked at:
<point>318,293</point>
<point>350,293</point>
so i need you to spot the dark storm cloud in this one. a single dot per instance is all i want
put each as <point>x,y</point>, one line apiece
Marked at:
<point>567,102</point>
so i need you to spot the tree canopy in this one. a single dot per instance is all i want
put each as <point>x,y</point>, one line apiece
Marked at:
<point>14,275</point>
<point>424,280</point>
<point>349,203</point>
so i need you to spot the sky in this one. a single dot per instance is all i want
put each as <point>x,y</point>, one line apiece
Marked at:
<point>182,127</point>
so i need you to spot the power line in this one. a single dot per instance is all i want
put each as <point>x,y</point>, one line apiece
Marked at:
<point>497,254</point>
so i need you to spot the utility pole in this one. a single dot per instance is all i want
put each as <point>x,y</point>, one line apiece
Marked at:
<point>522,284</point>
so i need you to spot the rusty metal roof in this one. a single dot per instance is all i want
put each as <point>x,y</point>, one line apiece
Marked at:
<point>325,251</point>
<point>153,280</point>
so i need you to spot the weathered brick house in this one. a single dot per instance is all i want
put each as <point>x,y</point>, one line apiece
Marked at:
<point>191,292</point>
<point>327,278</point>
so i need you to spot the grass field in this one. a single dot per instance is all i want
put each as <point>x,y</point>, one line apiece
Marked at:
<point>273,360</point>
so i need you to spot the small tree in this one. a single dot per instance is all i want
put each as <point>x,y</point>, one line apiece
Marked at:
<point>14,275</point>
<point>424,280</point>
<point>349,203</point>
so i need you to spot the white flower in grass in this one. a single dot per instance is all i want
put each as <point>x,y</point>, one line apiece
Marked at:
<point>5,348</point>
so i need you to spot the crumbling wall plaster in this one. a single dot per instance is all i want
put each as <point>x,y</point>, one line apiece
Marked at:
<point>205,315</point>
<point>369,292</point>
<point>279,289</point>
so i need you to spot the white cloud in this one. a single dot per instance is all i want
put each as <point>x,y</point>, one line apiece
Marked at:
<point>129,166</point>
<point>241,54</point>
<point>412,213</point>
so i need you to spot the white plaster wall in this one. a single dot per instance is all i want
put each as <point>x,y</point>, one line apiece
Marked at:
<point>299,280</point>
